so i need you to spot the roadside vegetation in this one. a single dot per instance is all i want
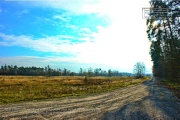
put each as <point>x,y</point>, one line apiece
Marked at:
<point>27,88</point>
<point>163,32</point>
<point>173,85</point>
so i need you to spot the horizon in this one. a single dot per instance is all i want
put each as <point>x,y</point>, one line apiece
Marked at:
<point>74,34</point>
<point>57,69</point>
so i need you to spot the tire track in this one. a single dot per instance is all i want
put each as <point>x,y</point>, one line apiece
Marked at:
<point>51,108</point>
<point>99,106</point>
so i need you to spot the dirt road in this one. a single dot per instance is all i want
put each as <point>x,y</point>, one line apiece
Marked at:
<point>145,101</point>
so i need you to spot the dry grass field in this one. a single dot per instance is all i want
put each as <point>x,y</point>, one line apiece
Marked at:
<point>28,88</point>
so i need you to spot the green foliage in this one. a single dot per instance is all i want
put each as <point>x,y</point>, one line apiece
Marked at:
<point>86,79</point>
<point>139,70</point>
<point>164,37</point>
<point>173,85</point>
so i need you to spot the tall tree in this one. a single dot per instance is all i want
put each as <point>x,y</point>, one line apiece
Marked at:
<point>96,71</point>
<point>49,70</point>
<point>90,72</point>
<point>65,72</point>
<point>81,72</point>
<point>164,34</point>
<point>109,72</point>
<point>139,69</point>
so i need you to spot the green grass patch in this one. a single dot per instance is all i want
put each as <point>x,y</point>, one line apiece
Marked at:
<point>173,86</point>
<point>24,88</point>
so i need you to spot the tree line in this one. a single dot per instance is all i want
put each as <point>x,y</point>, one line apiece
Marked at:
<point>164,33</point>
<point>48,71</point>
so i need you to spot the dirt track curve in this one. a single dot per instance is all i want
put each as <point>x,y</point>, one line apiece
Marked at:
<point>145,101</point>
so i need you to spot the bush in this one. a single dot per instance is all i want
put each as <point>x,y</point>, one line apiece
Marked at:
<point>85,80</point>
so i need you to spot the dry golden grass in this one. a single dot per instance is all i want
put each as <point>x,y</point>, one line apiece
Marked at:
<point>26,88</point>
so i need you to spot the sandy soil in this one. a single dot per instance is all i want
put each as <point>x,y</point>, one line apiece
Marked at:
<point>145,101</point>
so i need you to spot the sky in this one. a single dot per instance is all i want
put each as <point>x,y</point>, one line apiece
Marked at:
<point>74,34</point>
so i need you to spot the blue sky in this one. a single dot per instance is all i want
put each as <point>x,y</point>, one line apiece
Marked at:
<point>74,34</point>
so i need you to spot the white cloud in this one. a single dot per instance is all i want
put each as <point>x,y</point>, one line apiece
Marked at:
<point>72,64</point>
<point>71,26</point>
<point>111,46</point>
<point>48,44</point>
<point>87,30</point>
<point>119,45</point>
<point>60,17</point>
<point>110,7</point>
<point>85,34</point>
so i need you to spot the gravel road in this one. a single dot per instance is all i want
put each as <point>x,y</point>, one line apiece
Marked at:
<point>145,101</point>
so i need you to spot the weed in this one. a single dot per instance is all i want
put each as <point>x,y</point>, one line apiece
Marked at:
<point>24,88</point>
<point>86,80</point>
<point>173,86</point>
